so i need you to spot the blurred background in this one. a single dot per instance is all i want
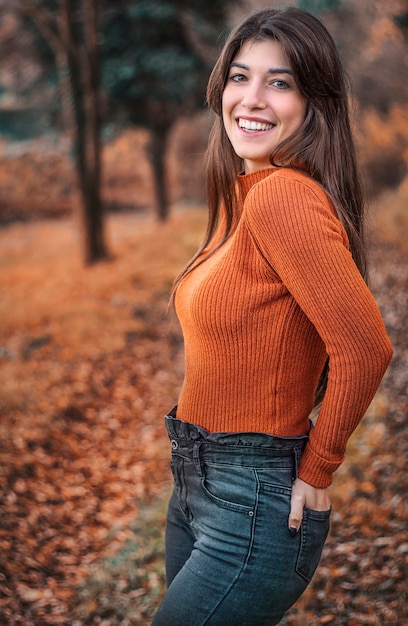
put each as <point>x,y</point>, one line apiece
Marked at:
<point>107,99</point>
<point>103,126</point>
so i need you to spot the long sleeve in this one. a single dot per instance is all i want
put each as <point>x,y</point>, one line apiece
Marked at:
<point>297,233</point>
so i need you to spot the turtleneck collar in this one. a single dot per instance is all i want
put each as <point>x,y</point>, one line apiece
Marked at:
<point>247,181</point>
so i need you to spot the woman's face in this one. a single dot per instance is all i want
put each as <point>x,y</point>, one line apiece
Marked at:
<point>261,104</point>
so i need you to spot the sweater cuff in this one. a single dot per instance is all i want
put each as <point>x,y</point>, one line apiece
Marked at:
<point>315,470</point>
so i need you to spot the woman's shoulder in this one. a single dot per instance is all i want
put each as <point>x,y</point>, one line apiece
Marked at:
<point>289,201</point>
<point>287,181</point>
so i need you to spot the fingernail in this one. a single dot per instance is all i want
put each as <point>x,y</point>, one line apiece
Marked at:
<point>293,531</point>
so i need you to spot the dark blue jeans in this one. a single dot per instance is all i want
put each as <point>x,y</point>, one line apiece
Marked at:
<point>230,560</point>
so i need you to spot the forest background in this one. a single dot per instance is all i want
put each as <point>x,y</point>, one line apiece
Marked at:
<point>103,127</point>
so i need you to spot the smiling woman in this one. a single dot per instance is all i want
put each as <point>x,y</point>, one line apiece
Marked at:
<point>277,322</point>
<point>261,103</point>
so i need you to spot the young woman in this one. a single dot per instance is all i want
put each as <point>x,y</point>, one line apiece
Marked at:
<point>277,320</point>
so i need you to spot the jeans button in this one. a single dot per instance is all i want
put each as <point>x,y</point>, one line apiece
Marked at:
<point>174,444</point>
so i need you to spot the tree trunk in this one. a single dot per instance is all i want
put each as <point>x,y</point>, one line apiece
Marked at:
<point>157,157</point>
<point>95,244</point>
<point>84,81</point>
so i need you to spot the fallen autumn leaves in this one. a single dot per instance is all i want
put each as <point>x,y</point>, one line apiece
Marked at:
<point>90,363</point>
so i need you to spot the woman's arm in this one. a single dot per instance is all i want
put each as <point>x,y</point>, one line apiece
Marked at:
<point>297,232</point>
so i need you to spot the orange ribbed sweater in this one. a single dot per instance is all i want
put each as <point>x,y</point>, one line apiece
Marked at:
<point>261,315</point>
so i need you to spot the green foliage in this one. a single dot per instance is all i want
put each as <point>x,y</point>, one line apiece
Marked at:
<point>153,57</point>
<point>23,124</point>
<point>156,58</point>
<point>316,7</point>
<point>401,21</point>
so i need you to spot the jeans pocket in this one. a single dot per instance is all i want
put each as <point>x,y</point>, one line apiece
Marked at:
<point>313,533</point>
<point>281,475</point>
<point>229,487</point>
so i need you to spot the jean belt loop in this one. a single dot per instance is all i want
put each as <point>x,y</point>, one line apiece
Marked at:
<point>196,457</point>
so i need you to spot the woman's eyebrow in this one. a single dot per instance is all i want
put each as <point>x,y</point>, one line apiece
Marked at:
<point>272,70</point>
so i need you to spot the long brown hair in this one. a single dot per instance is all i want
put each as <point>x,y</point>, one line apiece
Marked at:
<point>322,147</point>
<point>323,144</point>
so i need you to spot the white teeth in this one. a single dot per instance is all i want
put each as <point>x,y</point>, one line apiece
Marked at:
<point>248,125</point>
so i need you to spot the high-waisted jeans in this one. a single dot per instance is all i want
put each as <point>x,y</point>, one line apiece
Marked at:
<point>230,559</point>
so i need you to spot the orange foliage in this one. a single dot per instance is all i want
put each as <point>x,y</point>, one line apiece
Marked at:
<point>90,362</point>
<point>37,179</point>
<point>378,132</point>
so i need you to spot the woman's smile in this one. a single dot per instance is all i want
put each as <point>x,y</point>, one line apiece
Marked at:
<point>252,125</point>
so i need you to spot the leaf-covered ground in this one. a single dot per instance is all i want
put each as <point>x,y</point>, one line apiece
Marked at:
<point>90,362</point>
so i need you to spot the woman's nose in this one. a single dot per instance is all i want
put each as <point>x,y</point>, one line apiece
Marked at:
<point>254,97</point>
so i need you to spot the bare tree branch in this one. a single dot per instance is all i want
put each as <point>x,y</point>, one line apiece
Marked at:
<point>44,21</point>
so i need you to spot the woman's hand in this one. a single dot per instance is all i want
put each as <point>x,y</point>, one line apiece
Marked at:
<point>304,495</point>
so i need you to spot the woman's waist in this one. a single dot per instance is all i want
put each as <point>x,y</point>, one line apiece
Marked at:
<point>244,447</point>
<point>243,414</point>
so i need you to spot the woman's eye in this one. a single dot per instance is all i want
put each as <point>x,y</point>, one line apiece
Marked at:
<point>280,84</point>
<point>237,78</point>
